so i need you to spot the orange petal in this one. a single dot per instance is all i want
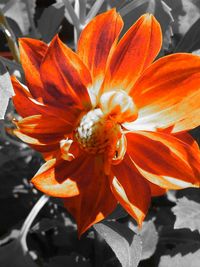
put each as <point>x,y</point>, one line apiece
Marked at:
<point>54,177</point>
<point>31,54</point>
<point>131,189</point>
<point>39,144</point>
<point>27,106</point>
<point>134,53</point>
<point>168,94</point>
<point>21,99</point>
<point>44,125</point>
<point>65,77</point>
<point>96,41</point>
<point>156,190</point>
<point>164,160</point>
<point>95,201</point>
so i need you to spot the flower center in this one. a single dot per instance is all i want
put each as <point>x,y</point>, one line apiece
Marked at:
<point>97,134</point>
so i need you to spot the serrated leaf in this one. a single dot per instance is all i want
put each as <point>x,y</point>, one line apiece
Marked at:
<point>50,21</point>
<point>187,214</point>
<point>6,90</point>
<point>182,256</point>
<point>123,241</point>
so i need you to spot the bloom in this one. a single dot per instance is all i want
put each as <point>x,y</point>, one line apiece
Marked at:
<point>110,123</point>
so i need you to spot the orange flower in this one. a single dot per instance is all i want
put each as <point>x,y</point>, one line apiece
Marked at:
<point>110,124</point>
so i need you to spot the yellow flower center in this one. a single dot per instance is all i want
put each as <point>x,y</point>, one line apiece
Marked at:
<point>97,133</point>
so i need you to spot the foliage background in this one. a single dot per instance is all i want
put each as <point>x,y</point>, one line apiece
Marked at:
<point>171,232</point>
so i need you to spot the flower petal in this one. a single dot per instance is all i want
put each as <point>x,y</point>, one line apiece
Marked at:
<point>27,106</point>
<point>164,160</point>
<point>31,54</point>
<point>131,189</point>
<point>41,125</point>
<point>95,201</point>
<point>65,77</point>
<point>134,53</point>
<point>96,41</point>
<point>53,178</point>
<point>156,190</point>
<point>168,94</point>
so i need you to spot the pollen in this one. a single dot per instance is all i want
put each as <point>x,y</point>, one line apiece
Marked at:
<point>97,134</point>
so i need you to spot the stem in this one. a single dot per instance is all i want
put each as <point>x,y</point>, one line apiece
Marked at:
<point>80,9</point>
<point>30,218</point>
<point>72,15</point>
<point>94,10</point>
<point>12,43</point>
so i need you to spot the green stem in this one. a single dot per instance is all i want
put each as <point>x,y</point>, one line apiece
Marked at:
<point>29,220</point>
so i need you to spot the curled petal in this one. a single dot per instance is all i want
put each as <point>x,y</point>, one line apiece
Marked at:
<point>164,160</point>
<point>131,189</point>
<point>167,94</point>
<point>31,54</point>
<point>97,40</point>
<point>118,105</point>
<point>134,53</point>
<point>65,77</point>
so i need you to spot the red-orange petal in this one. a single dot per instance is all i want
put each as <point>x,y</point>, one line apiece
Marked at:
<point>53,178</point>
<point>164,160</point>
<point>95,201</point>
<point>32,52</point>
<point>168,94</point>
<point>41,125</point>
<point>131,189</point>
<point>65,77</point>
<point>97,40</point>
<point>27,106</point>
<point>156,190</point>
<point>134,53</point>
<point>21,99</point>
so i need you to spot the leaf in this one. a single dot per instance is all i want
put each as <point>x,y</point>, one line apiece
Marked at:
<point>185,256</point>
<point>124,242</point>
<point>6,90</point>
<point>14,253</point>
<point>187,214</point>
<point>50,21</point>
<point>149,237</point>
<point>118,213</point>
<point>190,41</point>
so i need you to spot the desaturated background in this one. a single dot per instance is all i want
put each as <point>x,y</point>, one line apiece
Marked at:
<point>52,240</point>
